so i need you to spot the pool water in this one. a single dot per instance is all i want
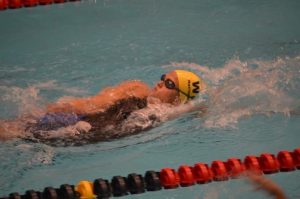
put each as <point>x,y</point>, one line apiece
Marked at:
<point>248,52</point>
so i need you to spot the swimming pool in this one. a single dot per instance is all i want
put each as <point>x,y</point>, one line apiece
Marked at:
<point>247,51</point>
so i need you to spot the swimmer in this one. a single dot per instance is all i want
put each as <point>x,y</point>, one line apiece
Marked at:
<point>115,111</point>
<point>175,87</point>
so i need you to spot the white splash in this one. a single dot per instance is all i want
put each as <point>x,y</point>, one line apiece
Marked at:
<point>29,104</point>
<point>242,89</point>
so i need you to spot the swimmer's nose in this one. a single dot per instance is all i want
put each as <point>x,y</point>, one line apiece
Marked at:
<point>160,84</point>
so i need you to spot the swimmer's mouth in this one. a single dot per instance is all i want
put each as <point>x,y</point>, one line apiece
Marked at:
<point>154,89</point>
<point>152,92</point>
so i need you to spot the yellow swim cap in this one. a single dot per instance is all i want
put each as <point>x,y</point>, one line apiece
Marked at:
<point>190,85</point>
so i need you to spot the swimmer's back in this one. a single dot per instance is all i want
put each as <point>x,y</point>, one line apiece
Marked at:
<point>106,125</point>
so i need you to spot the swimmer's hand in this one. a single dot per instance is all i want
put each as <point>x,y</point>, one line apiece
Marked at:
<point>262,183</point>
<point>83,127</point>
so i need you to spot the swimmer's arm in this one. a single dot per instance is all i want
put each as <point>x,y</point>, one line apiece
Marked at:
<point>103,99</point>
<point>77,106</point>
<point>267,185</point>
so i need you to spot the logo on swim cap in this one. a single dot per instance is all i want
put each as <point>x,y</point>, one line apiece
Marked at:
<point>190,84</point>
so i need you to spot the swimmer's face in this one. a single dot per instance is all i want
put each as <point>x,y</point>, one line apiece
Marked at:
<point>164,94</point>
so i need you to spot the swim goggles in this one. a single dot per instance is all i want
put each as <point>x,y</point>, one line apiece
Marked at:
<point>169,84</point>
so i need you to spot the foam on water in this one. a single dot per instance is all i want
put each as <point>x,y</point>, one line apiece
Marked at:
<point>28,104</point>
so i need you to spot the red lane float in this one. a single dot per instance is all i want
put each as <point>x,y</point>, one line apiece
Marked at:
<point>59,1</point>
<point>202,173</point>
<point>269,164</point>
<point>219,171</point>
<point>251,163</point>
<point>45,2</point>
<point>3,4</point>
<point>285,160</point>
<point>186,176</point>
<point>235,167</point>
<point>296,158</point>
<point>169,179</point>
<point>30,3</point>
<point>13,4</point>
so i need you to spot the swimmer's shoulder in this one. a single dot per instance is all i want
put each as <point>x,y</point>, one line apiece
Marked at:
<point>103,100</point>
<point>134,84</point>
<point>133,88</point>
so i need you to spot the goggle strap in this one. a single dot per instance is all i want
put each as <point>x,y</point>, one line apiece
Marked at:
<point>187,95</point>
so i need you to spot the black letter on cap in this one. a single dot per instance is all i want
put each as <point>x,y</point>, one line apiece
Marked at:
<point>196,87</point>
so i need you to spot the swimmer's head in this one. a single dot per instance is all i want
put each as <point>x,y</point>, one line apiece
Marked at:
<point>189,85</point>
<point>178,86</point>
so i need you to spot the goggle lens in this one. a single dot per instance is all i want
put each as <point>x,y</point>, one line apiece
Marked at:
<point>168,83</point>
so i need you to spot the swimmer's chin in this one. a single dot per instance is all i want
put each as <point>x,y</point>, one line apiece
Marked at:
<point>153,100</point>
<point>160,97</point>
<point>156,100</point>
